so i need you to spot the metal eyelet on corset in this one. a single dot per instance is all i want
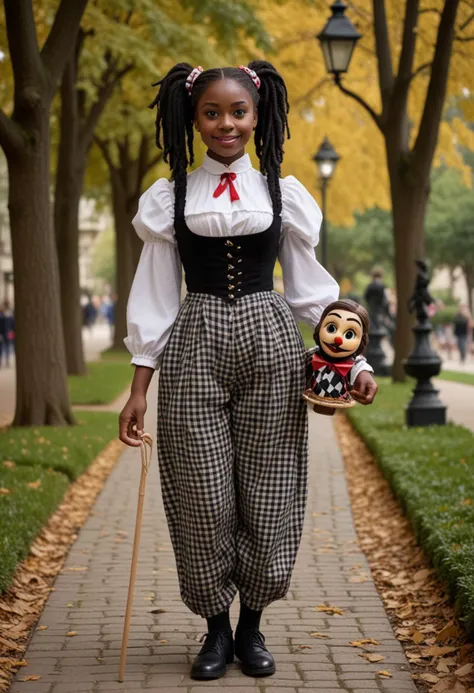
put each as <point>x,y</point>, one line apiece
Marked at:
<point>231,296</point>
<point>230,267</point>
<point>231,257</point>
<point>230,276</point>
<point>231,286</point>
<point>229,243</point>
<point>239,260</point>
<point>239,273</point>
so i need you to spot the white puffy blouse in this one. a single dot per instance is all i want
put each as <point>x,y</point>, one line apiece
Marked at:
<point>155,295</point>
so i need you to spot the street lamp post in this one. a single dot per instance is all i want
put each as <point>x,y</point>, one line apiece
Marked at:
<point>326,159</point>
<point>338,40</point>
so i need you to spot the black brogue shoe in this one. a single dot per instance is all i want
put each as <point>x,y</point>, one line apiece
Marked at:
<point>216,653</point>
<point>250,649</point>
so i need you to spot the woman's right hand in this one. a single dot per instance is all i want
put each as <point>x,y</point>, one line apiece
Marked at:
<point>131,420</point>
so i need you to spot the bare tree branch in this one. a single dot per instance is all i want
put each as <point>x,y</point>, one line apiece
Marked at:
<point>62,38</point>
<point>313,89</point>
<point>466,23</point>
<point>407,54</point>
<point>429,126</point>
<point>375,117</point>
<point>464,39</point>
<point>104,146</point>
<point>383,51</point>
<point>419,69</point>
<point>11,137</point>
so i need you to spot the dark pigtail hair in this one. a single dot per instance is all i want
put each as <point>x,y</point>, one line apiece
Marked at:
<point>272,126</point>
<point>174,122</point>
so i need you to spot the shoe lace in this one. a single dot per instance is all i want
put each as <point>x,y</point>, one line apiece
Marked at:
<point>214,642</point>
<point>256,638</point>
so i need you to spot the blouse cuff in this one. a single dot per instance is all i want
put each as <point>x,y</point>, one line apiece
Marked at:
<point>145,361</point>
<point>359,366</point>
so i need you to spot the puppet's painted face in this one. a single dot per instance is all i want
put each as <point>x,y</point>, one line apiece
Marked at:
<point>341,334</point>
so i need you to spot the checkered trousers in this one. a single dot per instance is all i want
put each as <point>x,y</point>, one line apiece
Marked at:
<point>232,448</point>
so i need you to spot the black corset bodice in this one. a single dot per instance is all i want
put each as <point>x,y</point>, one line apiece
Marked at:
<point>229,266</point>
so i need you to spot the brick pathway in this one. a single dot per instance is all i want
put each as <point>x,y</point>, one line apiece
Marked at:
<point>91,593</point>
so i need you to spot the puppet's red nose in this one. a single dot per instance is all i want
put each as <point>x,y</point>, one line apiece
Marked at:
<point>338,341</point>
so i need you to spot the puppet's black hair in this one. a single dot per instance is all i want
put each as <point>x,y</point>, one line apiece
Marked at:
<point>175,118</point>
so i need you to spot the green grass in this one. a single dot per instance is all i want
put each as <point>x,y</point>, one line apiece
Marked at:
<point>431,472</point>
<point>54,456</point>
<point>122,355</point>
<point>105,381</point>
<point>24,511</point>
<point>65,449</point>
<point>457,377</point>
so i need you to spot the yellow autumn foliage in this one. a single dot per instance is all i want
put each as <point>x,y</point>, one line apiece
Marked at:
<point>318,108</point>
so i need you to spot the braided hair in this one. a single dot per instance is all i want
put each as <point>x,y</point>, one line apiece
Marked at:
<point>175,121</point>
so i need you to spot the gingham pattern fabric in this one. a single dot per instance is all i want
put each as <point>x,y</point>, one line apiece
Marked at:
<point>327,383</point>
<point>232,448</point>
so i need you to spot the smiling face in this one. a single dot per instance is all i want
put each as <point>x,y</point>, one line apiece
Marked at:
<point>341,334</point>
<point>225,118</point>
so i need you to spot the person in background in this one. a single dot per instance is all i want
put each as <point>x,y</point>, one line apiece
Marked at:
<point>7,332</point>
<point>462,327</point>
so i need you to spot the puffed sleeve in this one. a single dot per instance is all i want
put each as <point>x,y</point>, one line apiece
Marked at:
<point>154,298</point>
<point>308,287</point>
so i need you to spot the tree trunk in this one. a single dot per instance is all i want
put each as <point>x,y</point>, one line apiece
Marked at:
<point>41,387</point>
<point>409,200</point>
<point>69,183</point>
<point>468,270</point>
<point>123,215</point>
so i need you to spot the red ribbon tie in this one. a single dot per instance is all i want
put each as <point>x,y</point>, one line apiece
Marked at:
<point>227,182</point>
<point>342,367</point>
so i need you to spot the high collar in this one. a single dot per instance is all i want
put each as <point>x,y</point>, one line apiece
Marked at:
<point>216,168</point>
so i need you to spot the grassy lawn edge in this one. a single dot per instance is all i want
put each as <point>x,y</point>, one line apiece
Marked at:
<point>457,377</point>
<point>37,465</point>
<point>431,473</point>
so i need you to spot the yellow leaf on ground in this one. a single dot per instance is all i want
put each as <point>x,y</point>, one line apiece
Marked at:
<point>450,630</point>
<point>71,633</point>
<point>372,657</point>
<point>31,677</point>
<point>421,575</point>
<point>384,672</point>
<point>363,642</point>
<point>42,627</point>
<point>163,642</point>
<point>437,651</point>
<point>464,670</point>
<point>330,609</point>
<point>417,637</point>
<point>305,647</point>
<point>34,484</point>
<point>8,464</point>
<point>319,635</point>
<point>429,678</point>
<point>5,491</point>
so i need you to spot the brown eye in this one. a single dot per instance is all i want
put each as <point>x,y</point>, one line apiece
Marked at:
<point>350,334</point>
<point>331,328</point>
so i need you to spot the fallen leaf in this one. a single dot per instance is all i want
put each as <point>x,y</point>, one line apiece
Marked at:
<point>436,651</point>
<point>305,647</point>
<point>417,637</point>
<point>319,635</point>
<point>42,627</point>
<point>429,678</point>
<point>421,575</point>
<point>5,491</point>
<point>363,642</point>
<point>9,644</point>
<point>34,484</point>
<point>384,672</point>
<point>31,677</point>
<point>450,630</point>
<point>464,670</point>
<point>372,657</point>
<point>71,633</point>
<point>8,464</point>
<point>330,609</point>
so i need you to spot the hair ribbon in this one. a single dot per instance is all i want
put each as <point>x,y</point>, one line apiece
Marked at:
<point>252,74</point>
<point>192,78</point>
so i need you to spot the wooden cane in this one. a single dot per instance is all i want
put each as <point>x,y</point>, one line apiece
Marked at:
<point>145,450</point>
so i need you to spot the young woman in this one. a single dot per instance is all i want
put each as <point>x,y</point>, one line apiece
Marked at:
<point>232,424</point>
